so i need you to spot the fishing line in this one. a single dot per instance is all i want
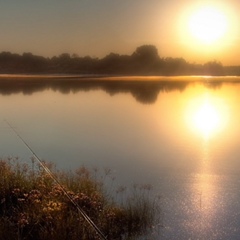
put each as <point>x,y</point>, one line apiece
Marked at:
<point>48,171</point>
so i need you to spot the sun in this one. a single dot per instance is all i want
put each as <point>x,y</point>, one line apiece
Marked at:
<point>208,24</point>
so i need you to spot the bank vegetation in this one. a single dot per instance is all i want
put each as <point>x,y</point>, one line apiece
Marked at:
<point>34,206</point>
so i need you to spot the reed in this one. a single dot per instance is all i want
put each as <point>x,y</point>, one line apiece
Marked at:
<point>34,206</point>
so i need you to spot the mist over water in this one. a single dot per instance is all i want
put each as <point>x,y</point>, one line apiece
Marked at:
<point>182,137</point>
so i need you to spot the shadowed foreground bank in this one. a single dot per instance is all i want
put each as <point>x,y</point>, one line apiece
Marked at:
<point>33,206</point>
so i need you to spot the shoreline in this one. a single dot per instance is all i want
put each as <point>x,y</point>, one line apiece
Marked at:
<point>119,78</point>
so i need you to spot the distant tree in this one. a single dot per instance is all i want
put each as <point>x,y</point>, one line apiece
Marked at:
<point>146,53</point>
<point>213,68</point>
<point>145,60</point>
<point>62,63</point>
<point>87,65</point>
<point>75,55</point>
<point>25,63</point>
<point>109,64</point>
<point>232,70</point>
<point>114,63</point>
<point>175,66</point>
<point>65,56</point>
<point>111,58</point>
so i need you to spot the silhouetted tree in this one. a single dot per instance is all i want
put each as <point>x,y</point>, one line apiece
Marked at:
<point>175,66</point>
<point>213,68</point>
<point>232,70</point>
<point>110,63</point>
<point>145,60</point>
<point>146,53</point>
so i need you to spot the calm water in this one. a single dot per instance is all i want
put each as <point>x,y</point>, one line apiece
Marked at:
<point>183,138</point>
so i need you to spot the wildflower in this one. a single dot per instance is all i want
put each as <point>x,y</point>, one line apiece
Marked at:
<point>35,196</point>
<point>21,199</point>
<point>70,193</point>
<point>23,220</point>
<point>16,191</point>
<point>115,214</point>
<point>57,191</point>
<point>53,207</point>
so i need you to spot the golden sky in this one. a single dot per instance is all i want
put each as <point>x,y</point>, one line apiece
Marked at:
<point>98,27</point>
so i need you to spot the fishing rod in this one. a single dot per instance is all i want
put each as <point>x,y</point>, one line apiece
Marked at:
<point>48,171</point>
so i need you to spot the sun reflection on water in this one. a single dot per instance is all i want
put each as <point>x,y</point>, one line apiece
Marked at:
<point>206,116</point>
<point>204,192</point>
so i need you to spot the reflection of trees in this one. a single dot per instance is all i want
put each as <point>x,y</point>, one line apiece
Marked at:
<point>213,85</point>
<point>143,91</point>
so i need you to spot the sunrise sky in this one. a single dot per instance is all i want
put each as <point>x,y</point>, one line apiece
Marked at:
<point>98,27</point>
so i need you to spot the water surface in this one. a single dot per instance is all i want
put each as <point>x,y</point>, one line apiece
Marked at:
<point>180,136</point>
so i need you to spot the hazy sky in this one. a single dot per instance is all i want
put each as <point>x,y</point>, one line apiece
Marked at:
<point>98,27</point>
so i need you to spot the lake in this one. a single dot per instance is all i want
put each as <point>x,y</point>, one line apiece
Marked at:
<point>181,135</point>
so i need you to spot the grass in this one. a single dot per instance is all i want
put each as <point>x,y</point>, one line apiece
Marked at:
<point>33,206</point>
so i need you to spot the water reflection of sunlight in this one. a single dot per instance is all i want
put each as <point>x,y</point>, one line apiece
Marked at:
<point>208,193</point>
<point>204,181</point>
<point>204,195</point>
<point>206,116</point>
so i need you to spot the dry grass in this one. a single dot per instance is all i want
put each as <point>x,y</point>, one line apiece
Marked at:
<point>33,206</point>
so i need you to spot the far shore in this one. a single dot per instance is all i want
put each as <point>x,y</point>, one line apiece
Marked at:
<point>94,77</point>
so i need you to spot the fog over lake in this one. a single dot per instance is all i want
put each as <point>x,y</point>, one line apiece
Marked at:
<point>181,135</point>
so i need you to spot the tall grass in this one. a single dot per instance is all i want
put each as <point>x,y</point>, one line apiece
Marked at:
<point>33,206</point>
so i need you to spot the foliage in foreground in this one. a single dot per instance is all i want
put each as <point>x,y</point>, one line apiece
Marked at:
<point>33,206</point>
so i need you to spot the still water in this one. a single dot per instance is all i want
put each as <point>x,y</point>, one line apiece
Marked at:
<point>181,137</point>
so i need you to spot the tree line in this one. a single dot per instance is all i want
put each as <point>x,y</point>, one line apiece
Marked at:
<point>145,60</point>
